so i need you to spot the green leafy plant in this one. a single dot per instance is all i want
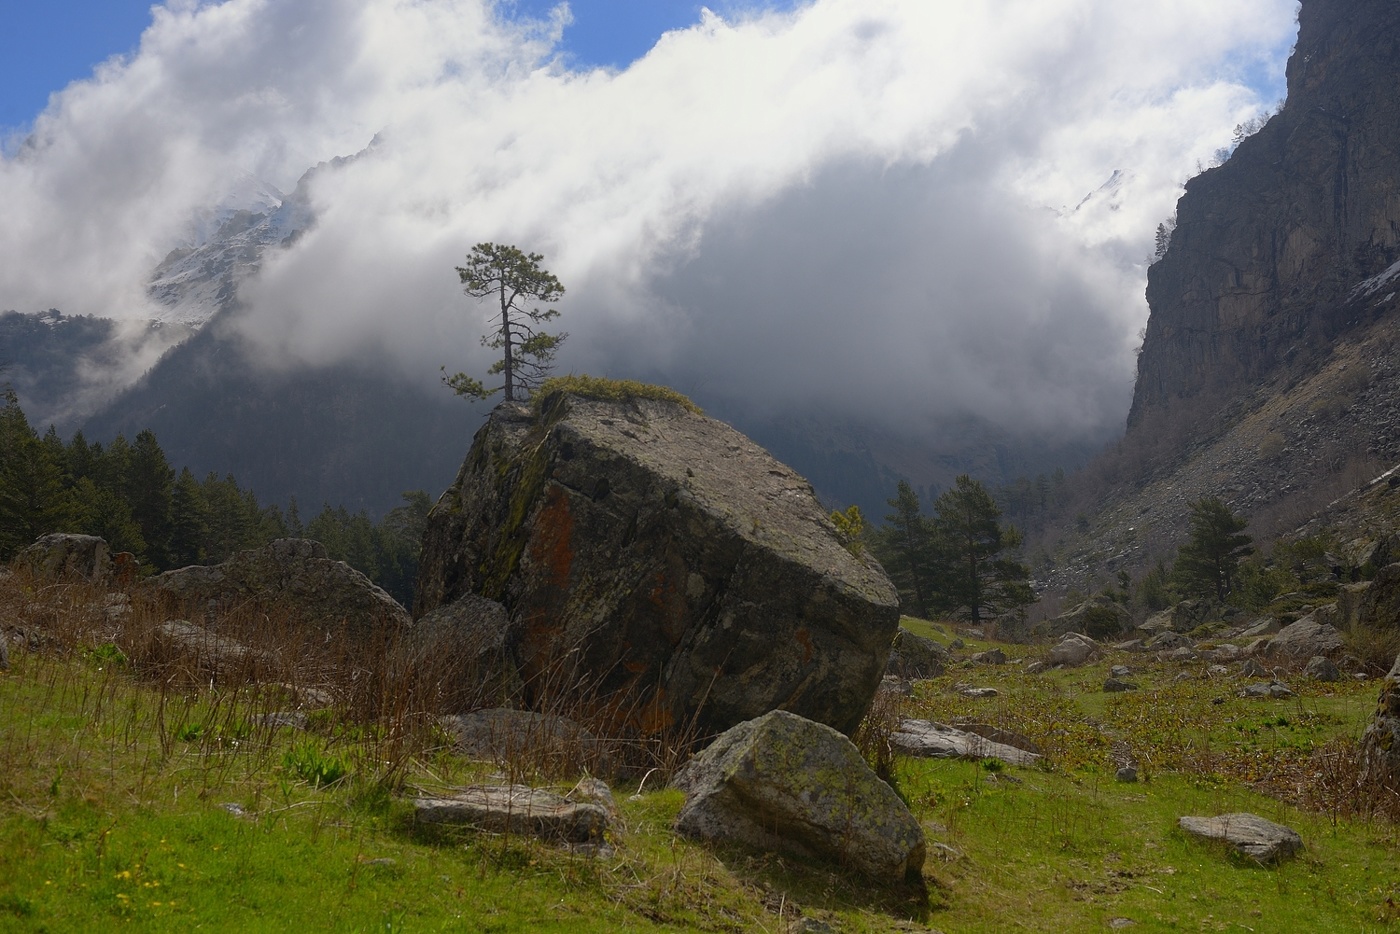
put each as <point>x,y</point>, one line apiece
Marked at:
<point>309,764</point>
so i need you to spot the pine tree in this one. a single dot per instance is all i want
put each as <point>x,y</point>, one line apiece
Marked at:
<point>189,521</point>
<point>149,488</point>
<point>905,548</point>
<point>1209,563</point>
<point>978,573</point>
<point>513,278</point>
<point>33,498</point>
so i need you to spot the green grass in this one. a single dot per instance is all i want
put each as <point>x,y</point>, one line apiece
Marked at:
<point>607,390</point>
<point>133,802</point>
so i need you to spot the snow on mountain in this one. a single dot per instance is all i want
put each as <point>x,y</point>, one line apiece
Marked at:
<point>224,246</point>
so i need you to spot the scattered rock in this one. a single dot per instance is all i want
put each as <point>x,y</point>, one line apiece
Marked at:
<point>1127,774</point>
<point>1181,655</point>
<point>1100,616</point>
<point>930,740</point>
<point>1226,652</point>
<point>1259,646</point>
<point>957,645</point>
<point>1249,834</point>
<point>893,684</point>
<point>782,782</point>
<point>998,735</point>
<point>914,656</point>
<point>1183,617</point>
<point>467,641</point>
<point>1073,650</point>
<point>1132,645</point>
<point>293,719</point>
<point>1274,689</point>
<point>295,576</point>
<point>1169,640</point>
<point>979,692</point>
<point>1252,669</point>
<point>62,556</point>
<point>1113,685</point>
<point>516,809</point>
<point>1379,606</point>
<point>1120,671</point>
<point>990,657</point>
<point>1037,666</point>
<point>178,641</point>
<point>1322,668</point>
<point>1267,626</point>
<point>556,746</point>
<point>594,791</point>
<point>666,557</point>
<point>1306,638</point>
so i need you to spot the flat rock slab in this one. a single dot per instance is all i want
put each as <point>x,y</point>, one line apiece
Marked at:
<point>1249,834</point>
<point>930,740</point>
<point>516,809</point>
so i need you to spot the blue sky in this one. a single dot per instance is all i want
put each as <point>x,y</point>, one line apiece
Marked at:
<point>45,44</point>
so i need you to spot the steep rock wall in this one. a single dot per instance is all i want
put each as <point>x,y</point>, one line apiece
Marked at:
<point>1269,246</point>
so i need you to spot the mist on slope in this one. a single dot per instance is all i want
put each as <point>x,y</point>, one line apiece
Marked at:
<point>898,212</point>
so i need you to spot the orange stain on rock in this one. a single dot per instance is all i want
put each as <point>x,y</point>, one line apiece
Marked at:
<point>551,547</point>
<point>805,639</point>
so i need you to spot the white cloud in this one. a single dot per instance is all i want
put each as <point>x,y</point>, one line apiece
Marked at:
<point>869,204</point>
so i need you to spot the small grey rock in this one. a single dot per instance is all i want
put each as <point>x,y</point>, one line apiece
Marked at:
<point>1113,685</point>
<point>1126,774</point>
<point>1120,671</point>
<point>1322,668</point>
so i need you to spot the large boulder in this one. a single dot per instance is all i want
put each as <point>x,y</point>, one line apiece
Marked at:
<point>665,559</point>
<point>1307,637</point>
<point>1380,744</point>
<point>294,575</point>
<point>62,556</point>
<point>1100,617</point>
<point>1073,650</point>
<point>784,783</point>
<point>462,647</point>
<point>1379,605</point>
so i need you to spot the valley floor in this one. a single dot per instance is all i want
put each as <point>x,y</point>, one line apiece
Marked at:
<point>127,803</point>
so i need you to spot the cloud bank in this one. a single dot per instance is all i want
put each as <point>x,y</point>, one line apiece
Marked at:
<point>894,210</point>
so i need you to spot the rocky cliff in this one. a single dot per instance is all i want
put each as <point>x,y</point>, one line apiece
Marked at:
<point>1263,269</point>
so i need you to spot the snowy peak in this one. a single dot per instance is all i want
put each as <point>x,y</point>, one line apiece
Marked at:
<point>226,245</point>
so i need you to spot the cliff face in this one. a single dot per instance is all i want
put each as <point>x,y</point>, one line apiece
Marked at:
<point>1268,248</point>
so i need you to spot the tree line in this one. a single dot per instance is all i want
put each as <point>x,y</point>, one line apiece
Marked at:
<point>958,561</point>
<point>127,493</point>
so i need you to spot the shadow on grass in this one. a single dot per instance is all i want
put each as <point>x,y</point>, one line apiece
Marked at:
<point>810,885</point>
